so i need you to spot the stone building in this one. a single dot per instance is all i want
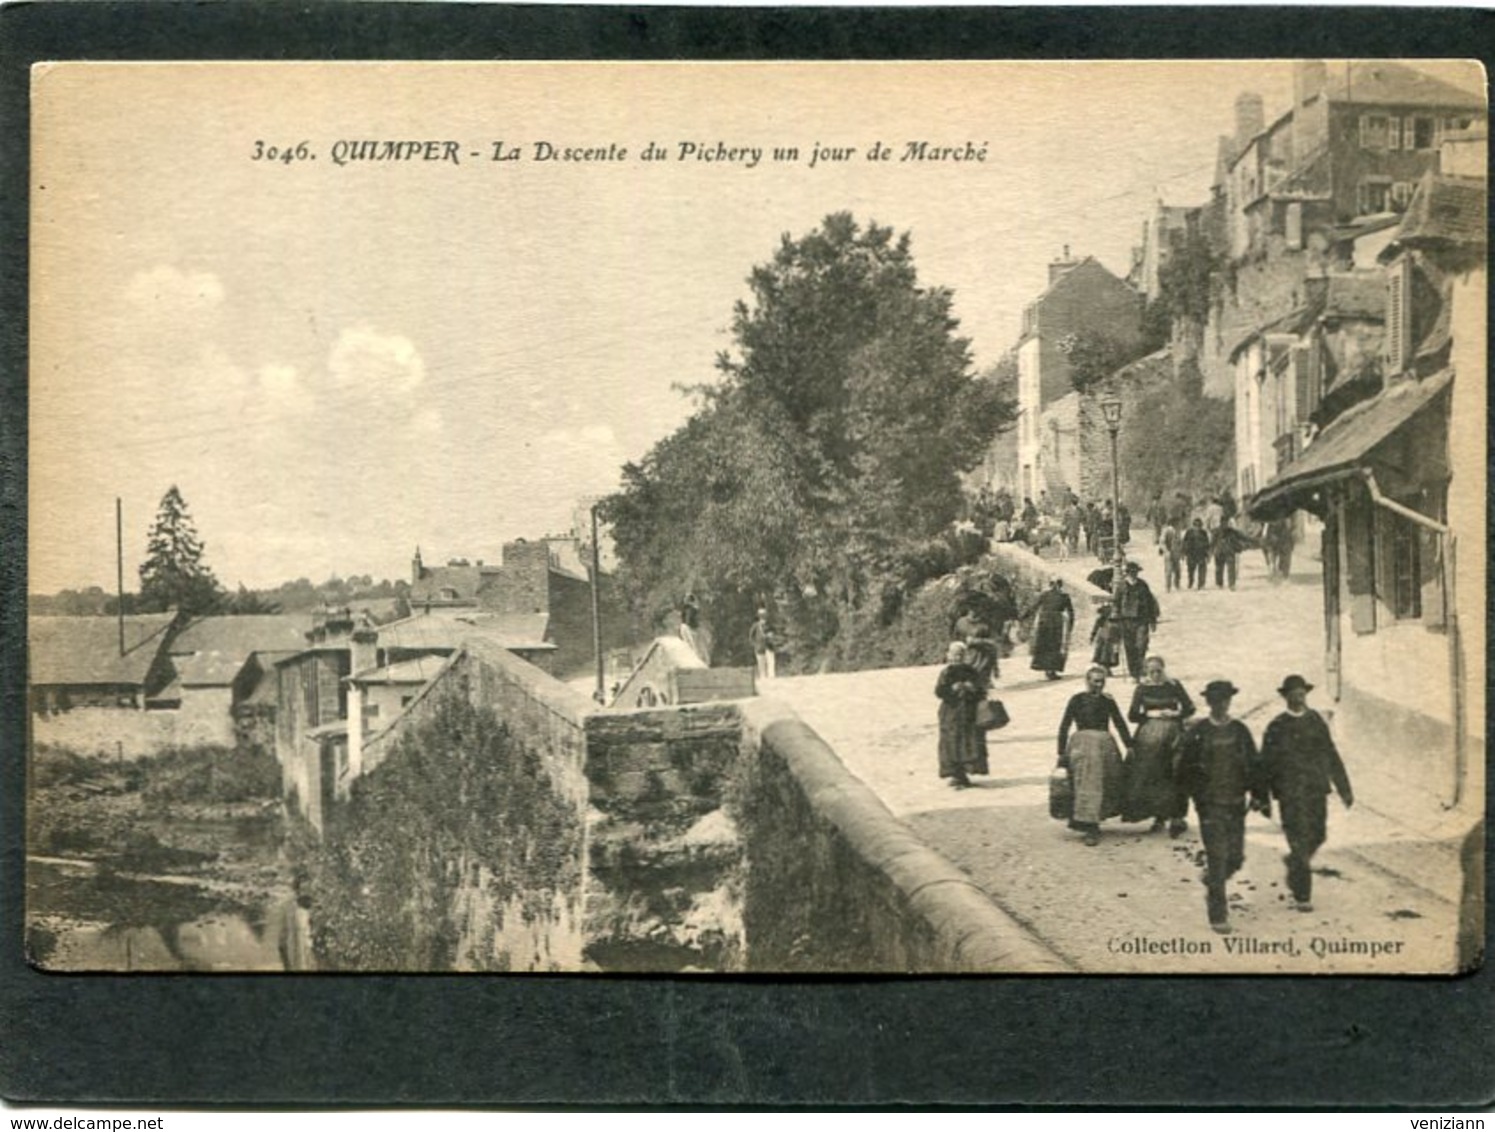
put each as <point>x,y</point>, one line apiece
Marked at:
<point>1397,474</point>
<point>1301,191</point>
<point>1082,297</point>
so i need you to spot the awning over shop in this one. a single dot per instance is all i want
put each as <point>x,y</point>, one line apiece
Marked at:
<point>1341,449</point>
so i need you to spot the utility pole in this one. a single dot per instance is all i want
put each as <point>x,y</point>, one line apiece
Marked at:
<point>119,567</point>
<point>601,693</point>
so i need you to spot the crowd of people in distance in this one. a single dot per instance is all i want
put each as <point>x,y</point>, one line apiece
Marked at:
<point>1190,532</point>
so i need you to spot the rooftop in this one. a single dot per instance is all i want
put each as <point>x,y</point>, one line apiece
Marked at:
<point>85,650</point>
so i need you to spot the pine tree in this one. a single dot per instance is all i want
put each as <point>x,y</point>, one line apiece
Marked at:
<point>173,575</point>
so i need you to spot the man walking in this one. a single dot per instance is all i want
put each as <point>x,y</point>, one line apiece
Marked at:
<point>761,638</point>
<point>1196,554</point>
<point>1171,547</point>
<point>1301,763</point>
<point>1137,616</point>
<point>1218,767</point>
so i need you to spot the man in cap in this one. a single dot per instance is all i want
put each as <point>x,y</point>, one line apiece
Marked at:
<point>1218,767</point>
<point>1301,763</point>
<point>1136,614</point>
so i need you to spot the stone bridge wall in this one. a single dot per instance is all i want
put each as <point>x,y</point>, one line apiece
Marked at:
<point>707,837</point>
<point>836,883</point>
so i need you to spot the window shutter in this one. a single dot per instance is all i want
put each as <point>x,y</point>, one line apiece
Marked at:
<point>1364,132</point>
<point>1398,316</point>
<point>1360,561</point>
<point>1303,382</point>
<point>1409,132</point>
<point>1394,134</point>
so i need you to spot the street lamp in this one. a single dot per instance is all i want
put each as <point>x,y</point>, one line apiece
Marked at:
<point>1110,407</point>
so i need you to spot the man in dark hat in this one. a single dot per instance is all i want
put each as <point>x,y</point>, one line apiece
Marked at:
<point>1218,767</point>
<point>1136,614</point>
<point>1301,763</point>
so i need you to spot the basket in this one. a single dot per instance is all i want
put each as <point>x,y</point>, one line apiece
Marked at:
<point>1061,795</point>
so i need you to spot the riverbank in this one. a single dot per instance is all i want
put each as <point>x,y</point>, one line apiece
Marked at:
<point>168,863</point>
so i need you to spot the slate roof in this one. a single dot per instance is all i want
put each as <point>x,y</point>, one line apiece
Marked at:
<point>1339,450</point>
<point>416,671</point>
<point>85,650</point>
<point>446,630</point>
<point>1448,210</point>
<point>1382,83</point>
<point>241,636</point>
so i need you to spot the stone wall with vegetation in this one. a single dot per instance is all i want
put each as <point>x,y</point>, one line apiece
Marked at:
<point>464,848</point>
<point>512,825</point>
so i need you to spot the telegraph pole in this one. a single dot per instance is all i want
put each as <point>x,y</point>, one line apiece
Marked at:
<point>601,693</point>
<point>119,568</point>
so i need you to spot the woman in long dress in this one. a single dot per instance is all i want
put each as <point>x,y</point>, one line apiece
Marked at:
<point>1053,617</point>
<point>962,744</point>
<point>1159,707</point>
<point>1095,768</point>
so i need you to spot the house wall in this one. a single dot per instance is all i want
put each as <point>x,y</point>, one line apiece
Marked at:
<point>1062,440</point>
<point>1352,163</point>
<point>208,711</point>
<point>524,585</point>
<point>1467,499</point>
<point>126,732</point>
<point>1028,422</point>
<point>1088,298</point>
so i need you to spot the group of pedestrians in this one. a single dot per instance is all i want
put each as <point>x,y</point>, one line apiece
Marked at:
<point>1189,535</point>
<point>1213,763</point>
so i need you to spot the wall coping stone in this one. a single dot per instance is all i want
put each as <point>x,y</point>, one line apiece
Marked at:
<point>970,932</point>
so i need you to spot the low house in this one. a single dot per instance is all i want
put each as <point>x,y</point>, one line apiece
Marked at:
<point>78,662</point>
<point>353,670</point>
<point>208,654</point>
<point>1397,474</point>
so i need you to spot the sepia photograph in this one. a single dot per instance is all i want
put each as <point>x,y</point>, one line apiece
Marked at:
<point>725,518</point>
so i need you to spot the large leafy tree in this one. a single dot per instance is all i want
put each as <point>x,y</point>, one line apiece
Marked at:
<point>837,433</point>
<point>173,575</point>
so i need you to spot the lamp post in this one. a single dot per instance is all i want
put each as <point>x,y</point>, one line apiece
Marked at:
<point>1110,407</point>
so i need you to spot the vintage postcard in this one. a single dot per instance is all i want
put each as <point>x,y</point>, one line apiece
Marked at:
<point>758,517</point>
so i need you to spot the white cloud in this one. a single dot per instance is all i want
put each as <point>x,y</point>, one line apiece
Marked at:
<point>170,290</point>
<point>384,363</point>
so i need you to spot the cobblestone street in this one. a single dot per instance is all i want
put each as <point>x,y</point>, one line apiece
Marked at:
<point>1385,895</point>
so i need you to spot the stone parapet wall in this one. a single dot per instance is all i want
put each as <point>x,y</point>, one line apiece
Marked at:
<point>836,883</point>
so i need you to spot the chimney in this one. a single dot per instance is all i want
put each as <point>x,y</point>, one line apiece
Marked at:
<point>1310,76</point>
<point>1059,266</point>
<point>1249,119</point>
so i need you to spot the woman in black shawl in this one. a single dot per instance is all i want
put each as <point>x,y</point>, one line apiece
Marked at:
<point>962,744</point>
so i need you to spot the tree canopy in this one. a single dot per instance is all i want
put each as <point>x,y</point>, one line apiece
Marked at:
<point>173,575</point>
<point>837,433</point>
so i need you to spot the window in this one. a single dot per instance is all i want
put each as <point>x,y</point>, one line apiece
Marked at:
<point>1394,134</point>
<point>1373,194</point>
<point>1399,554</point>
<point>1401,194</point>
<point>1372,131</point>
<point>406,701</point>
<point>1419,133</point>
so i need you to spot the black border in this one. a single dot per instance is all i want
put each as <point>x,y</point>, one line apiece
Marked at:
<point>593,1041</point>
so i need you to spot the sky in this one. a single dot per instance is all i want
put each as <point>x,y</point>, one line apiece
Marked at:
<point>336,363</point>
